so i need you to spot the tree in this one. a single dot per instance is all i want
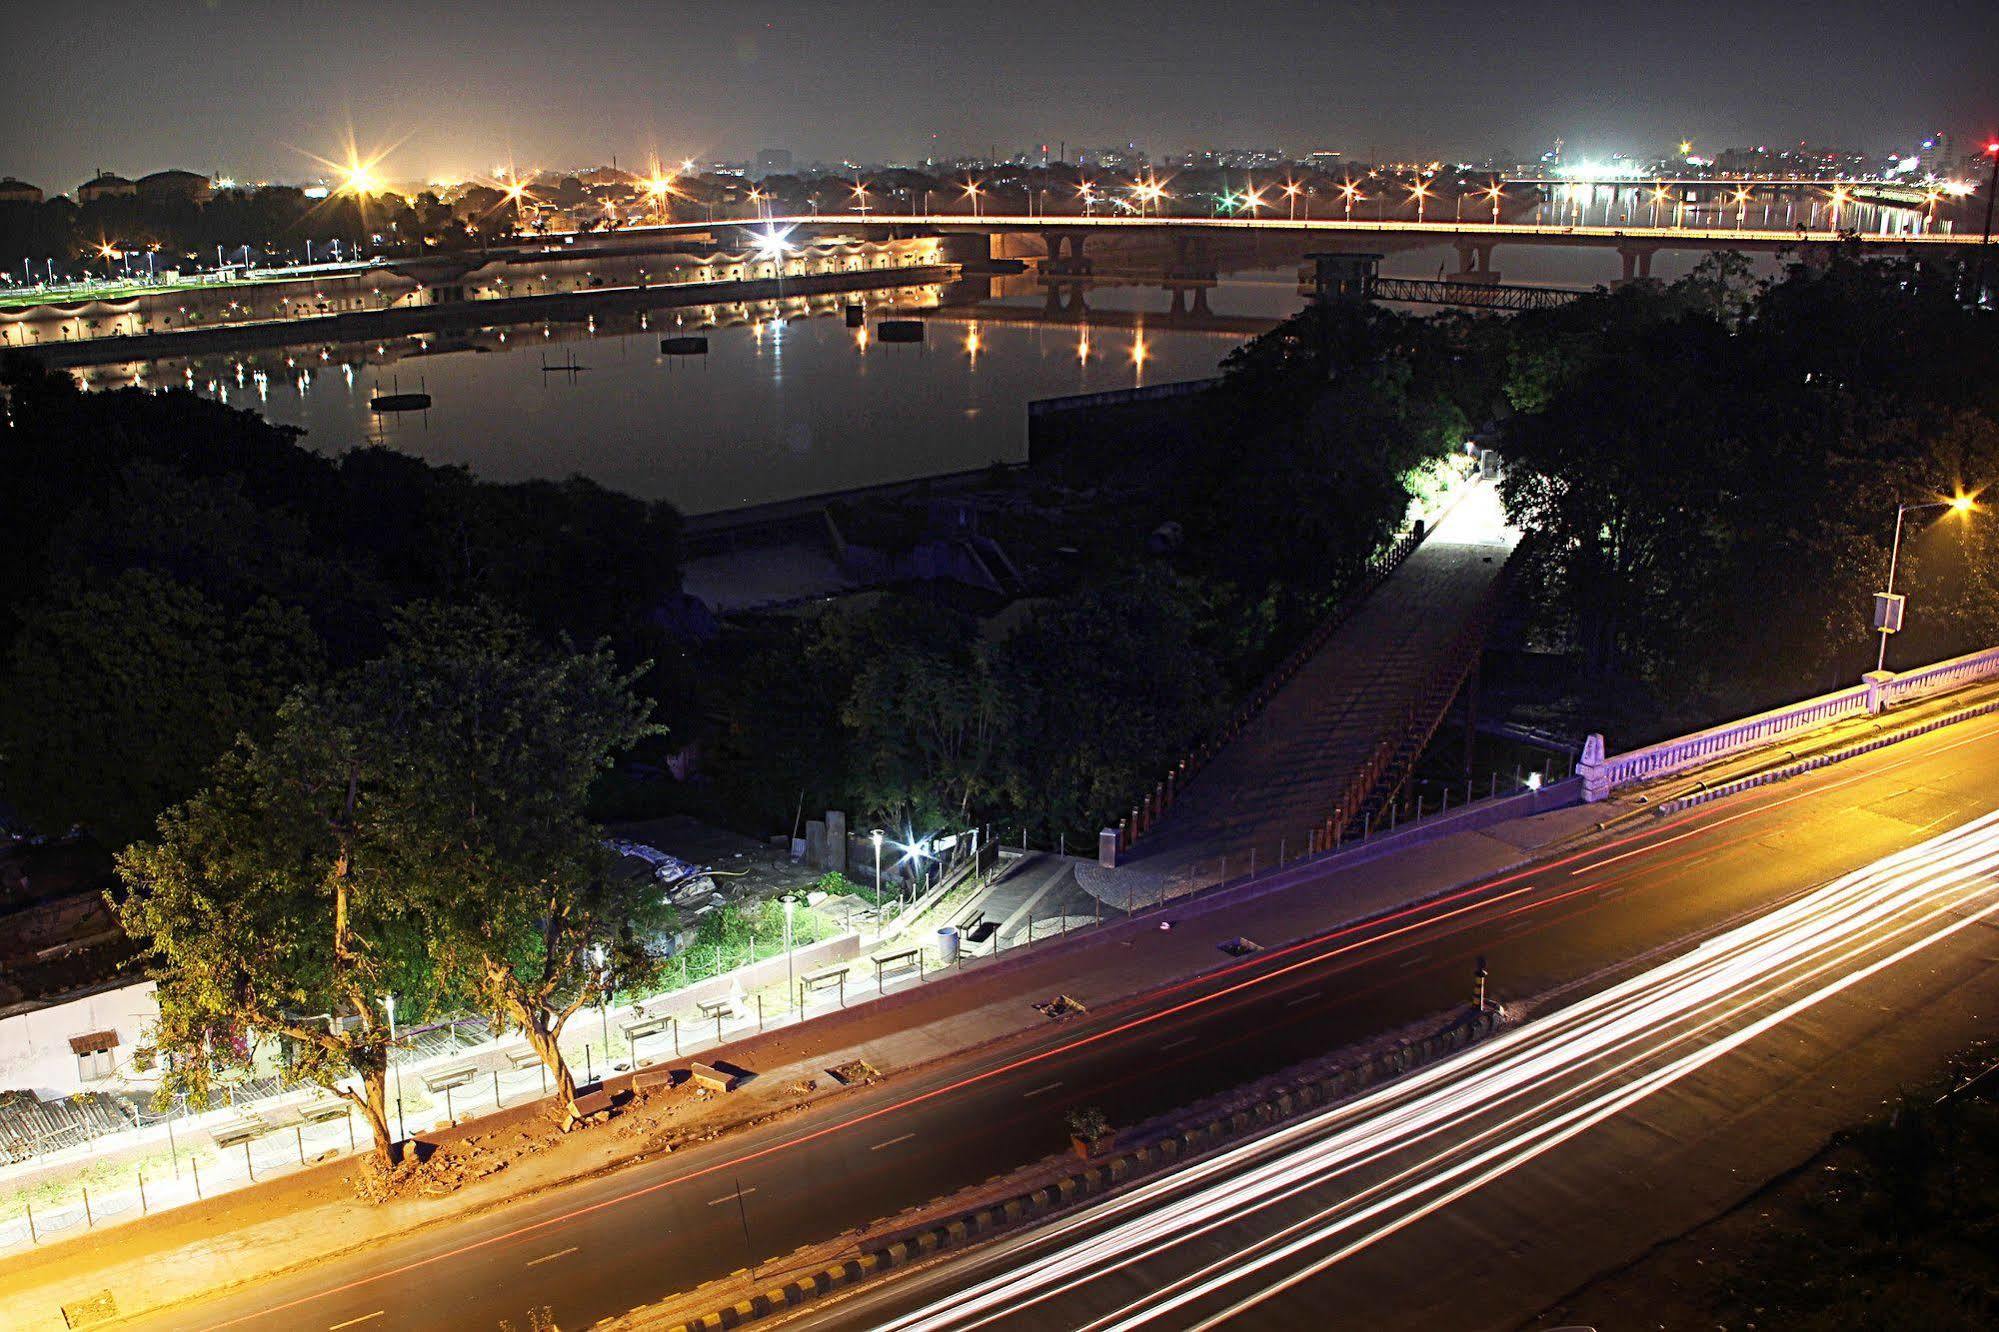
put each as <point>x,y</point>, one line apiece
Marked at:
<point>120,693</point>
<point>492,743</point>
<point>273,905</point>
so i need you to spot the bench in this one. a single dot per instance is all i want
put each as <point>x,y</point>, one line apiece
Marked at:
<point>707,1075</point>
<point>718,1008</point>
<point>525,1057</point>
<point>447,1079</point>
<point>641,1027</point>
<point>319,1112</point>
<point>238,1131</point>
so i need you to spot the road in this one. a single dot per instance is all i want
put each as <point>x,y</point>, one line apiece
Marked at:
<point>601,1247</point>
<point>1262,1234</point>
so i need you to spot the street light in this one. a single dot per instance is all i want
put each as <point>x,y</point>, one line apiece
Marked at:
<point>402,1128</point>
<point>790,981</point>
<point>877,835</point>
<point>1421,192</point>
<point>1985,237</point>
<point>1494,195</point>
<point>972,190</point>
<point>1291,196</point>
<point>1888,606</point>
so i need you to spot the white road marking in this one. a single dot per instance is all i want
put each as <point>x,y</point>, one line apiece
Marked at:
<point>1184,1040</point>
<point>1413,961</point>
<point>891,1142</point>
<point>551,1257</point>
<point>1303,999</point>
<point>362,1319</point>
<point>1038,1090</point>
<point>731,1197</point>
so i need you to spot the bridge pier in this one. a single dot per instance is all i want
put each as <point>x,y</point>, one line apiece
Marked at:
<point>1475,262</point>
<point>1076,264</point>
<point>1637,261</point>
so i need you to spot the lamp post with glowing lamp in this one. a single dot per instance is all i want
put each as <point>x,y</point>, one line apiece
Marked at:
<point>1985,236</point>
<point>1291,197</point>
<point>876,836</point>
<point>1421,193</point>
<point>1493,194</point>
<point>972,192</point>
<point>1888,606</point>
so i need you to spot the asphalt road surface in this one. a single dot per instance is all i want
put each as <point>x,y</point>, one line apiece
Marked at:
<point>1261,1235</point>
<point>602,1247</point>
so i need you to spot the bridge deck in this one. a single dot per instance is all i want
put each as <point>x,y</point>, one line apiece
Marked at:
<point>1283,774</point>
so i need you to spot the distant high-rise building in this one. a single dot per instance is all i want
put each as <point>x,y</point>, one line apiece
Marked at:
<point>1934,156</point>
<point>774,162</point>
<point>1324,159</point>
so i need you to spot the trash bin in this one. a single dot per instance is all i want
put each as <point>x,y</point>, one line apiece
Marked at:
<point>947,944</point>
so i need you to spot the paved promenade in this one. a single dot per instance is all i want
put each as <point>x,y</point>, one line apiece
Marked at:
<point>1282,776</point>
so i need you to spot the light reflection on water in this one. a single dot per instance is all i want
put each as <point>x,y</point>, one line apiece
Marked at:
<point>788,401</point>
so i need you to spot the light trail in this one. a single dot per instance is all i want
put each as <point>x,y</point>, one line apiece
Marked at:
<point>1230,986</point>
<point>1464,1123</point>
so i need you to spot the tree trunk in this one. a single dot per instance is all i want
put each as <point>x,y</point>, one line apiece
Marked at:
<point>374,1102</point>
<point>545,1037</point>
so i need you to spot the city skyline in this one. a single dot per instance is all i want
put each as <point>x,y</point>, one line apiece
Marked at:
<point>222,88</point>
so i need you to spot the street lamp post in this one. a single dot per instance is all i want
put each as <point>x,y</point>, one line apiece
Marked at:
<point>790,980</point>
<point>1985,237</point>
<point>402,1128</point>
<point>877,836</point>
<point>1887,609</point>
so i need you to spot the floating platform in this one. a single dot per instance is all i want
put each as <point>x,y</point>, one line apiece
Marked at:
<point>689,344</point>
<point>857,314</point>
<point>899,330</point>
<point>400,402</point>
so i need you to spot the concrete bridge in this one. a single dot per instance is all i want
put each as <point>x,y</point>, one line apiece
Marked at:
<point>1189,243</point>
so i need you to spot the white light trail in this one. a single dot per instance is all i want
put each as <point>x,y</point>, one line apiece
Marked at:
<point>1458,1125</point>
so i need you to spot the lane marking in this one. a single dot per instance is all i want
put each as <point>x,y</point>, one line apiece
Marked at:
<point>1303,999</point>
<point>362,1319</point>
<point>1475,896</point>
<point>1038,1090</point>
<point>731,1197</point>
<point>891,1142</point>
<point>1184,1040</point>
<point>551,1257</point>
<point>1403,966</point>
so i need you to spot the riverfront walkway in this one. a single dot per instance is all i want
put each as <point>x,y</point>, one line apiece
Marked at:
<point>1286,771</point>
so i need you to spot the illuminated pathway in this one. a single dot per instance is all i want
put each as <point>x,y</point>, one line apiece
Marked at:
<point>1215,1242</point>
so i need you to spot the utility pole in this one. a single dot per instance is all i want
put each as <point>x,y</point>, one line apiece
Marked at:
<point>1985,237</point>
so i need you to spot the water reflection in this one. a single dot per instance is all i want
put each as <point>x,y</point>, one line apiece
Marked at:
<point>788,399</point>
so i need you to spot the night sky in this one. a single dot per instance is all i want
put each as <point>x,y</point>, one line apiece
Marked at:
<point>252,90</point>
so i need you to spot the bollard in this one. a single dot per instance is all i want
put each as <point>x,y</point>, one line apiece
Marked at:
<point>451,1115</point>
<point>249,1166</point>
<point>33,1237</point>
<point>195,1163</point>
<point>496,1088</point>
<point>173,1148</point>
<point>142,1190</point>
<point>350,1128</point>
<point>760,1010</point>
<point>89,1221</point>
<point>298,1132</point>
<point>589,1068</point>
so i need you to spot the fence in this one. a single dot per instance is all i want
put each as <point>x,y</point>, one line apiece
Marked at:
<point>1879,690</point>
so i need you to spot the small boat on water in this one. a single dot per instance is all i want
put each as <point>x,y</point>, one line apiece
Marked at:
<point>899,330</point>
<point>395,400</point>
<point>857,314</point>
<point>686,344</point>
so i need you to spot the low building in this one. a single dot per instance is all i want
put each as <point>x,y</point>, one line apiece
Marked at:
<point>18,191</point>
<point>75,1013</point>
<point>105,185</point>
<point>163,186</point>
